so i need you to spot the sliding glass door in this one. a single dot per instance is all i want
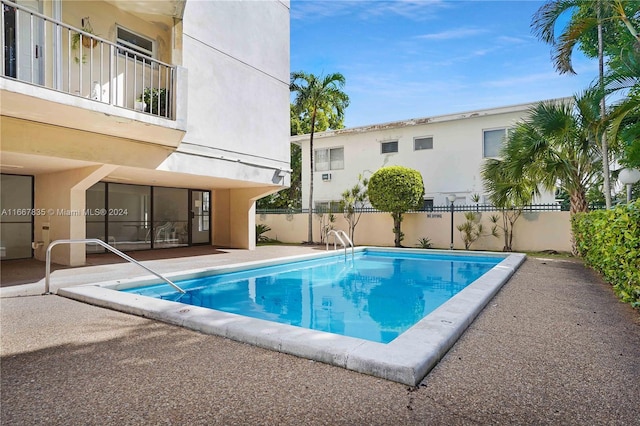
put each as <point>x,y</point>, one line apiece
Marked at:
<point>171,217</point>
<point>200,216</point>
<point>138,217</point>
<point>16,223</point>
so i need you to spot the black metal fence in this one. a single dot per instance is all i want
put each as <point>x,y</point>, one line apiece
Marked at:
<point>442,208</point>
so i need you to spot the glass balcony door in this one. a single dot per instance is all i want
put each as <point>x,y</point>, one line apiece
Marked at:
<point>23,46</point>
<point>200,217</point>
<point>171,217</point>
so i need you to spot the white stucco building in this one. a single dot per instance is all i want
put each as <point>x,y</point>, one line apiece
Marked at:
<point>147,124</point>
<point>448,151</point>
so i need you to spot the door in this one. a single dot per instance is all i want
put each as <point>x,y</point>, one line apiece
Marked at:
<point>23,42</point>
<point>200,217</point>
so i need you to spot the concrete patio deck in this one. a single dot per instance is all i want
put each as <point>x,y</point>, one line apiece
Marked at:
<point>554,346</point>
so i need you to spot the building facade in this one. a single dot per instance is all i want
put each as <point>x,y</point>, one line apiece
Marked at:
<point>146,124</point>
<point>447,150</point>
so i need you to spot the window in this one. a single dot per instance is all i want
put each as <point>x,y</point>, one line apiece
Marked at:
<point>492,142</point>
<point>389,147</point>
<point>329,159</point>
<point>327,206</point>
<point>427,204</point>
<point>422,143</point>
<point>141,45</point>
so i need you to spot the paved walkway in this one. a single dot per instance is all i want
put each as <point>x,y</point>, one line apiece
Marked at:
<point>553,347</point>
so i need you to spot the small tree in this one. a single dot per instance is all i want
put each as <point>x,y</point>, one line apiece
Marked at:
<point>509,218</point>
<point>326,224</point>
<point>508,192</point>
<point>396,189</point>
<point>352,202</point>
<point>261,228</point>
<point>472,229</point>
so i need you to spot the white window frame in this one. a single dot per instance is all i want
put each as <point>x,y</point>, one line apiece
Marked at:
<point>326,206</point>
<point>138,49</point>
<point>484,132</point>
<point>330,164</point>
<point>383,143</point>
<point>421,138</point>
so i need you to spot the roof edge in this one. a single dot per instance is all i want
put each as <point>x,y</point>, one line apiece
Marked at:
<point>425,120</point>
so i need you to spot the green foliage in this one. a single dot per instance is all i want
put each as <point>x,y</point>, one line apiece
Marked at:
<point>317,98</point>
<point>619,20</point>
<point>471,230</point>
<point>155,100</point>
<point>326,225</point>
<point>397,190</point>
<point>352,202</point>
<point>88,42</point>
<point>609,242</point>
<point>261,228</point>
<point>553,147</point>
<point>424,242</point>
<point>509,218</point>
<point>288,198</point>
<point>608,30</point>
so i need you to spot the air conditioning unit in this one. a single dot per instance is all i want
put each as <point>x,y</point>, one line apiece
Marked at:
<point>326,177</point>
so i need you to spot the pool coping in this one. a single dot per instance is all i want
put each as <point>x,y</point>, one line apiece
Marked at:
<point>407,359</point>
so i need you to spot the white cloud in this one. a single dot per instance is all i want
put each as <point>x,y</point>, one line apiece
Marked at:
<point>457,33</point>
<point>416,10</point>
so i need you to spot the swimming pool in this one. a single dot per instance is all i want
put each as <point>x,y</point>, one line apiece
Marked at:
<point>406,359</point>
<point>371,295</point>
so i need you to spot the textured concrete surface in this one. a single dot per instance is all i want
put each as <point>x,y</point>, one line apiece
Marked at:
<point>553,347</point>
<point>405,360</point>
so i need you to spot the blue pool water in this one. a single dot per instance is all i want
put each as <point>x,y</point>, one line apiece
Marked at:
<point>374,296</point>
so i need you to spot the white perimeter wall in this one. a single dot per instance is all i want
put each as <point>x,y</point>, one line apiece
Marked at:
<point>534,231</point>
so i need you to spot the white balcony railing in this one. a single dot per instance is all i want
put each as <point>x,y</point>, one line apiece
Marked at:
<point>42,51</point>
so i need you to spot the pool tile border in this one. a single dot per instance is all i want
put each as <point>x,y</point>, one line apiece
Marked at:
<point>407,359</point>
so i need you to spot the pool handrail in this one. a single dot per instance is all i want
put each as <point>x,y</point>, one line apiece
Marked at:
<point>112,249</point>
<point>339,234</point>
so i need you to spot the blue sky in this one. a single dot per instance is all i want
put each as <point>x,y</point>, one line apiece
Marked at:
<point>407,59</point>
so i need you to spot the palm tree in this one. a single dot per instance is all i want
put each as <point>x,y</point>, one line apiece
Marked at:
<point>624,116</point>
<point>509,190</point>
<point>554,147</point>
<point>318,95</point>
<point>585,16</point>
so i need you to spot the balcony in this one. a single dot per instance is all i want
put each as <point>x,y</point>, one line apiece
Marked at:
<point>60,75</point>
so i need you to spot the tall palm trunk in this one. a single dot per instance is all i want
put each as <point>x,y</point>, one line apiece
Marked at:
<point>578,201</point>
<point>603,111</point>
<point>579,204</point>
<point>310,227</point>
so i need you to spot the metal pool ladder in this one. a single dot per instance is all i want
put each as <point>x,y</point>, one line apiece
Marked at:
<point>341,236</point>
<point>108,247</point>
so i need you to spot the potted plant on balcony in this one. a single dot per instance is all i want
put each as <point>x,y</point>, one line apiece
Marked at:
<point>87,42</point>
<point>140,105</point>
<point>155,101</point>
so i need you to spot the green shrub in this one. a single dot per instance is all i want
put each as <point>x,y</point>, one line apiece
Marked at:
<point>261,228</point>
<point>397,190</point>
<point>424,242</point>
<point>609,242</point>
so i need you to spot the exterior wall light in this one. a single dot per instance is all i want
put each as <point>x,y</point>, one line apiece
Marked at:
<point>628,177</point>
